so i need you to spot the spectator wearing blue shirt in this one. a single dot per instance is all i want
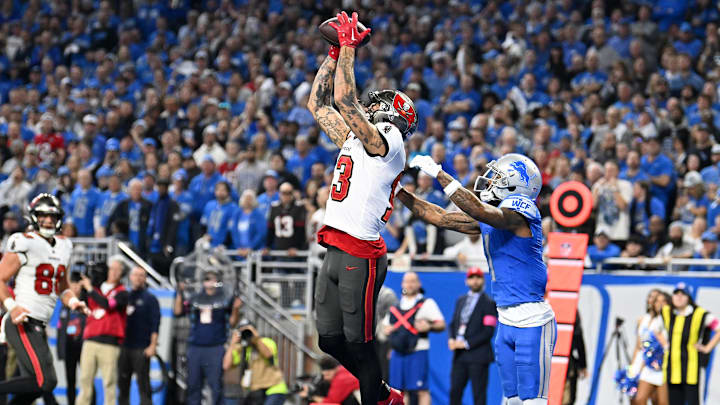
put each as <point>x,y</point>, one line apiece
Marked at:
<point>440,78</point>
<point>632,171</point>
<point>692,202</point>
<point>85,202</point>
<point>270,194</point>
<point>110,199</point>
<point>591,80</point>
<point>300,115</point>
<point>688,43</point>
<point>527,97</point>
<point>217,215</point>
<point>184,199</point>
<point>202,186</point>
<point>709,250</point>
<point>149,192</point>
<point>601,249</point>
<point>302,159</point>
<point>621,41</point>
<point>248,225</point>
<point>90,134</point>
<point>464,102</point>
<point>660,169</point>
<point>502,85</point>
<point>677,80</point>
<point>713,210</point>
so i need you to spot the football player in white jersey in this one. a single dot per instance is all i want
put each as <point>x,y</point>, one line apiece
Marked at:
<point>368,168</point>
<point>39,262</point>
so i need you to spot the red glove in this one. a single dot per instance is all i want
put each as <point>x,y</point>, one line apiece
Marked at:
<point>348,34</point>
<point>334,52</point>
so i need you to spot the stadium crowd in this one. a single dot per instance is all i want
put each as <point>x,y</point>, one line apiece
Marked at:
<point>163,122</point>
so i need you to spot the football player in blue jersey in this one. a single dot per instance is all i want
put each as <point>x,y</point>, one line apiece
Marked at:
<point>510,224</point>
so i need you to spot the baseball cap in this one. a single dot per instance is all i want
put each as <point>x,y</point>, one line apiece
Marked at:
<point>90,119</point>
<point>601,231</point>
<point>709,236</point>
<point>414,86</point>
<point>47,117</point>
<point>163,181</point>
<point>456,125</point>
<point>104,171</point>
<point>715,148</point>
<point>685,27</point>
<point>684,288</point>
<point>112,144</point>
<point>692,178</point>
<point>271,173</point>
<point>180,174</point>
<point>150,142</point>
<point>475,271</point>
<point>63,170</point>
<point>11,215</point>
<point>208,158</point>
<point>285,85</point>
<point>210,129</point>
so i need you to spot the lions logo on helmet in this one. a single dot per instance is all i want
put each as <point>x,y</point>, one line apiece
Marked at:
<point>46,204</point>
<point>395,107</point>
<point>511,174</point>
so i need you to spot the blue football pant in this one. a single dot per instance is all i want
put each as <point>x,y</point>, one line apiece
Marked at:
<point>524,356</point>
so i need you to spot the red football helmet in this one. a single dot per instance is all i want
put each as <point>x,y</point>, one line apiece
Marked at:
<point>396,108</point>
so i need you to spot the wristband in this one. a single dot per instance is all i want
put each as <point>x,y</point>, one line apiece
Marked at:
<point>334,52</point>
<point>9,304</point>
<point>73,301</point>
<point>451,188</point>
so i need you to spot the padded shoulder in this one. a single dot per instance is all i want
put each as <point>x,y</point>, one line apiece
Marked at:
<point>523,205</point>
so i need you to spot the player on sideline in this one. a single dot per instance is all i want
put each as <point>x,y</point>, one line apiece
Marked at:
<point>371,159</point>
<point>38,260</point>
<point>510,223</point>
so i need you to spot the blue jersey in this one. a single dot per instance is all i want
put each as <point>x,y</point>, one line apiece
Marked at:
<point>249,229</point>
<point>216,217</point>
<point>516,266</point>
<point>82,209</point>
<point>109,202</point>
<point>185,201</point>
<point>203,190</point>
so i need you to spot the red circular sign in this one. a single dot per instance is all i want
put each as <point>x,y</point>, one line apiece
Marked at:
<point>571,204</point>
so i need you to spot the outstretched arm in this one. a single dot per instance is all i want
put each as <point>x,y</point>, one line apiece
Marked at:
<point>320,102</point>
<point>346,98</point>
<point>432,214</point>
<point>467,201</point>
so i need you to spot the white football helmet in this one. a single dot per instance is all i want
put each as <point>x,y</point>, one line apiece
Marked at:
<point>511,174</point>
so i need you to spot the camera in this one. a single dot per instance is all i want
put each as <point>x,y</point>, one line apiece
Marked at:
<point>246,334</point>
<point>95,271</point>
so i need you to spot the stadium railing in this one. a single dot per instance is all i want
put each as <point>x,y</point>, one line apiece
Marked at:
<point>651,263</point>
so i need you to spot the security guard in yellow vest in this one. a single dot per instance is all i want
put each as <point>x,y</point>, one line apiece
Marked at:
<point>686,323</point>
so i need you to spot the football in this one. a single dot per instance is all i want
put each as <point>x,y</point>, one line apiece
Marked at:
<point>330,35</point>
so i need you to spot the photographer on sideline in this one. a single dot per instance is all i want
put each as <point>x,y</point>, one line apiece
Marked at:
<point>104,331</point>
<point>342,385</point>
<point>260,375</point>
<point>211,310</point>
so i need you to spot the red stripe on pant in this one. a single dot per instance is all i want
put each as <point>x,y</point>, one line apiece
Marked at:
<point>33,357</point>
<point>369,304</point>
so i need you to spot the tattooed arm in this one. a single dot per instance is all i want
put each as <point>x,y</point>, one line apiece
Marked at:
<point>351,109</point>
<point>320,104</point>
<point>432,214</point>
<point>498,218</point>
